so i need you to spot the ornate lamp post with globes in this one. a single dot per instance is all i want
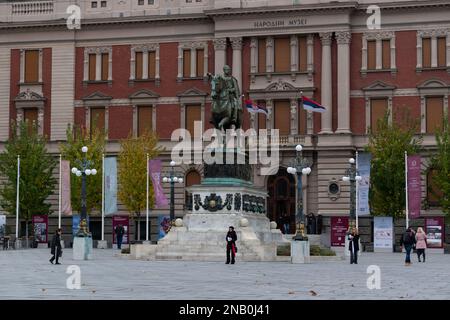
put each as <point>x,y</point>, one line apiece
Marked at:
<point>83,170</point>
<point>300,166</point>
<point>172,178</point>
<point>352,176</point>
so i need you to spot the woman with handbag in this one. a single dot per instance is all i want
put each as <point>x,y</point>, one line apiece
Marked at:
<point>56,249</point>
<point>231,245</point>
<point>421,243</point>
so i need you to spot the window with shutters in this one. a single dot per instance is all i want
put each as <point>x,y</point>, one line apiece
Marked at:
<point>30,116</point>
<point>386,54</point>
<point>262,55</point>
<point>151,65</point>
<point>139,65</point>
<point>187,63</point>
<point>434,113</point>
<point>97,119</point>
<point>282,55</point>
<point>426,52</point>
<point>371,55</point>
<point>378,52</point>
<point>97,64</point>
<point>105,66</point>
<point>432,49</point>
<point>200,62</point>
<point>145,119</point>
<point>378,109</point>
<point>282,119</point>
<point>442,52</point>
<point>192,60</point>
<point>92,66</point>
<point>434,193</point>
<point>302,54</point>
<point>31,66</point>
<point>193,114</point>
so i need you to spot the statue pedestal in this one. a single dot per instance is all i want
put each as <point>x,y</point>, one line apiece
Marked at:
<point>82,248</point>
<point>300,251</point>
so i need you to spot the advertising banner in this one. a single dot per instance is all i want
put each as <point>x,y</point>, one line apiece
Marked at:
<point>363,187</point>
<point>434,228</point>
<point>164,226</point>
<point>66,207</point>
<point>110,185</point>
<point>76,223</point>
<point>154,169</point>
<point>382,233</point>
<point>125,222</point>
<point>40,228</point>
<point>2,225</point>
<point>339,227</point>
<point>414,186</point>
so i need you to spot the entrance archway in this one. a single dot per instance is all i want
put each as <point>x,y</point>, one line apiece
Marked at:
<point>281,189</point>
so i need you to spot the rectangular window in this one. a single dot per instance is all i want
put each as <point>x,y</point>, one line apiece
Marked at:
<point>435,106</point>
<point>426,52</point>
<point>92,66</point>
<point>105,66</point>
<point>282,117</point>
<point>97,119</point>
<point>30,117</point>
<point>371,55</point>
<point>261,55</point>
<point>186,63</point>
<point>442,54</point>
<point>139,65</point>
<point>94,4</point>
<point>378,109</point>
<point>151,2</point>
<point>193,113</point>
<point>386,58</point>
<point>31,66</point>
<point>302,54</point>
<point>151,64</point>
<point>144,120</point>
<point>140,2</point>
<point>282,55</point>
<point>103,4</point>
<point>200,62</point>
<point>302,116</point>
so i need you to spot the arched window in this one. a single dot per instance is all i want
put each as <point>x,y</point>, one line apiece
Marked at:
<point>192,178</point>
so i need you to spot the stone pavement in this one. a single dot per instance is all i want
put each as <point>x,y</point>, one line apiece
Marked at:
<point>27,274</point>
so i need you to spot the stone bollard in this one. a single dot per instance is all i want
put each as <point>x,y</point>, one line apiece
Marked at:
<point>300,251</point>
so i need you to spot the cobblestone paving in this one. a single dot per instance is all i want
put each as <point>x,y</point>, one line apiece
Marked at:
<point>27,274</point>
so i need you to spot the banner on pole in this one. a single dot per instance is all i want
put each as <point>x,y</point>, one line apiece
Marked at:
<point>40,228</point>
<point>154,170</point>
<point>66,206</point>
<point>414,187</point>
<point>339,227</point>
<point>364,159</point>
<point>110,185</point>
<point>382,233</point>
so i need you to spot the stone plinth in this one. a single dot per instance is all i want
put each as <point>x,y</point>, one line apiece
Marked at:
<point>82,248</point>
<point>300,251</point>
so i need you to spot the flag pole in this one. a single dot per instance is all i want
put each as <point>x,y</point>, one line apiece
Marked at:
<point>59,197</point>
<point>103,197</point>
<point>406,189</point>
<point>357,191</point>
<point>146,215</point>
<point>17,197</point>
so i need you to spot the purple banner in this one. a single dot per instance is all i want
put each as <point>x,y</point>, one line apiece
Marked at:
<point>414,187</point>
<point>154,170</point>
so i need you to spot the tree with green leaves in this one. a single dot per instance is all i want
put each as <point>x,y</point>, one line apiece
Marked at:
<point>36,181</point>
<point>388,144</point>
<point>78,137</point>
<point>440,164</point>
<point>132,173</point>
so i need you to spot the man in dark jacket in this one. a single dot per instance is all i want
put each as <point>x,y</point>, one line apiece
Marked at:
<point>56,249</point>
<point>408,240</point>
<point>120,230</point>
<point>231,245</point>
<point>353,245</point>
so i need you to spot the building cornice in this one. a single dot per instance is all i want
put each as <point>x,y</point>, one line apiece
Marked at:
<point>407,5</point>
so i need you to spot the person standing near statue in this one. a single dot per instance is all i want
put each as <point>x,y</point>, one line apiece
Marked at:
<point>119,235</point>
<point>231,245</point>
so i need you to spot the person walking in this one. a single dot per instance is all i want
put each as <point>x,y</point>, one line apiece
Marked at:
<point>353,245</point>
<point>231,245</point>
<point>421,243</point>
<point>120,230</point>
<point>286,223</point>
<point>408,240</point>
<point>56,249</point>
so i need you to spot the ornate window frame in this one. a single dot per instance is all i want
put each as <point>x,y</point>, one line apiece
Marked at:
<point>97,99</point>
<point>145,49</point>
<point>432,88</point>
<point>377,90</point>
<point>22,65</point>
<point>192,96</point>
<point>98,65</point>
<point>30,100</point>
<point>378,37</point>
<point>193,46</point>
<point>433,34</point>
<point>142,98</point>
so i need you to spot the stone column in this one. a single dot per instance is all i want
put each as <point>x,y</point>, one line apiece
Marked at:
<point>294,114</point>
<point>326,84</point>
<point>434,50</point>
<point>98,66</point>
<point>379,54</point>
<point>145,64</point>
<point>193,62</point>
<point>343,88</point>
<point>219,54</point>
<point>236,44</point>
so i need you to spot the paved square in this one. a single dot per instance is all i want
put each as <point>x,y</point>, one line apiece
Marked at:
<point>27,274</point>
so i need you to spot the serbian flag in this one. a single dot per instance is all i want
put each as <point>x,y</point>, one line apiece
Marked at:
<point>311,105</point>
<point>254,108</point>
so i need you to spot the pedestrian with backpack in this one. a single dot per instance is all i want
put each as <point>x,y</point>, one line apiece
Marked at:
<point>408,240</point>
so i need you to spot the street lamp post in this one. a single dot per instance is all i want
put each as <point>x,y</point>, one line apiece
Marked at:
<point>352,176</point>
<point>300,166</point>
<point>83,170</point>
<point>172,178</point>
